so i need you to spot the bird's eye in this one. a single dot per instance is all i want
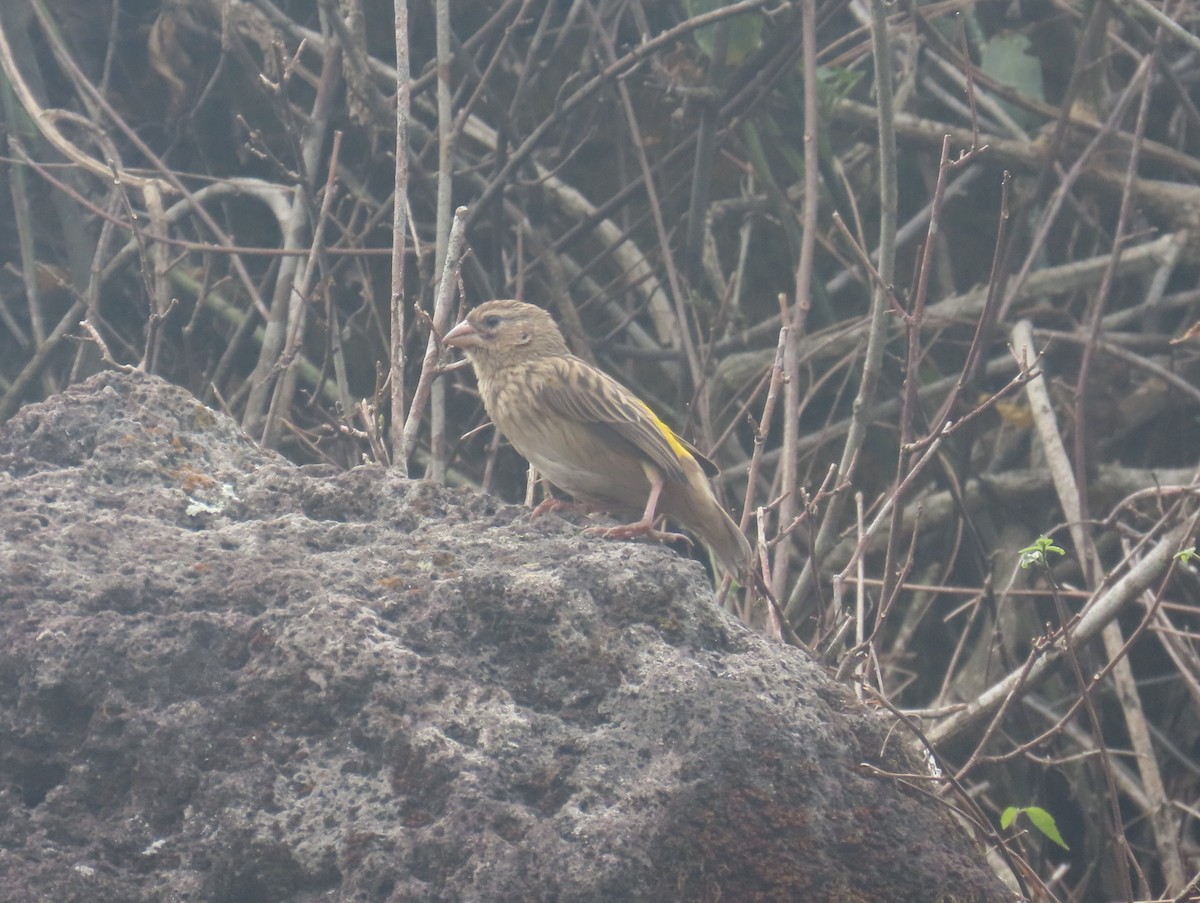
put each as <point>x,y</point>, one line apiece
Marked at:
<point>491,322</point>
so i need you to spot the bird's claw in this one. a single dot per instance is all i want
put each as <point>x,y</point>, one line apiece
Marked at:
<point>631,531</point>
<point>548,505</point>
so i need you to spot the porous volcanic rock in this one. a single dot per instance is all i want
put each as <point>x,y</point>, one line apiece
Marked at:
<point>227,678</point>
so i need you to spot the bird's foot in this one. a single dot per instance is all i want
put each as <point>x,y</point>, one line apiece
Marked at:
<point>645,528</point>
<point>549,504</point>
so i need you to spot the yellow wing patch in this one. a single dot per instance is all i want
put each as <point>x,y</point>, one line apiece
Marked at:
<point>676,446</point>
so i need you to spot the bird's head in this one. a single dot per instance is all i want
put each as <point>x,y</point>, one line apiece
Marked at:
<point>501,332</point>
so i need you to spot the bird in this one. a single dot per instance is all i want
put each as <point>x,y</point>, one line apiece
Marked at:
<point>589,435</point>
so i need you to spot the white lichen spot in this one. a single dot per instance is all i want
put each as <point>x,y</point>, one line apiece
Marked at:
<point>220,498</point>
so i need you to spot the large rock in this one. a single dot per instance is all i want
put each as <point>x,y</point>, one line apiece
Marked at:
<point>227,678</point>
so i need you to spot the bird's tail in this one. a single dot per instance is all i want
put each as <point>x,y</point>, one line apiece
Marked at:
<point>694,506</point>
<point>729,544</point>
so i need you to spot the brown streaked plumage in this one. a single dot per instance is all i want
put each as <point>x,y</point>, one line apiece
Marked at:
<point>588,434</point>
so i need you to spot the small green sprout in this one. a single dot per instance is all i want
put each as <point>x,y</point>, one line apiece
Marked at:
<point>1038,817</point>
<point>1039,553</point>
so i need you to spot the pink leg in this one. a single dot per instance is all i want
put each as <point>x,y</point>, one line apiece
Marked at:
<point>645,526</point>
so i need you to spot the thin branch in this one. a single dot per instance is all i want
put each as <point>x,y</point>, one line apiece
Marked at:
<point>399,231</point>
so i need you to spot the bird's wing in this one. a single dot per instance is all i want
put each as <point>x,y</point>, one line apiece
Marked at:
<point>706,464</point>
<point>575,389</point>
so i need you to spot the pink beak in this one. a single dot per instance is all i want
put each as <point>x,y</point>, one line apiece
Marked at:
<point>462,336</point>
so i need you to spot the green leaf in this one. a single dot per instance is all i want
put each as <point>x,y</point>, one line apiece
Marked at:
<point>1044,822</point>
<point>1006,58</point>
<point>1038,817</point>
<point>745,31</point>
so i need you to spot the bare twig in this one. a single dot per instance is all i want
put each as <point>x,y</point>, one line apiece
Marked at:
<point>442,311</point>
<point>399,231</point>
<point>877,331</point>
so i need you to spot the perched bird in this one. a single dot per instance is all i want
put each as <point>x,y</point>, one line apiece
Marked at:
<point>589,435</point>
